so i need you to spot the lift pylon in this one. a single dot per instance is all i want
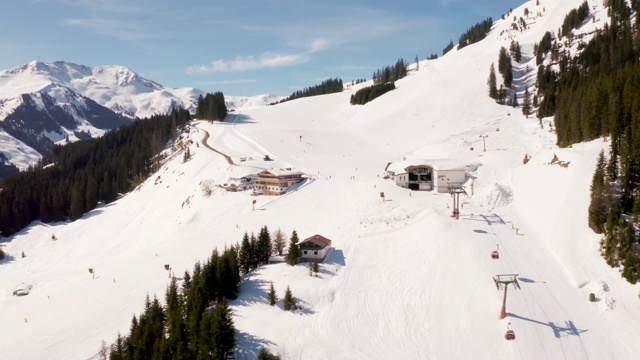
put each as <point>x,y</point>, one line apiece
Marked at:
<point>455,192</point>
<point>503,281</point>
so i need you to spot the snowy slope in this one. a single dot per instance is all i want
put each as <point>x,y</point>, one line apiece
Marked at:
<point>404,280</point>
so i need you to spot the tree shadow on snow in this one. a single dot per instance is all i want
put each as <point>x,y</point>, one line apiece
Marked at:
<point>92,213</point>
<point>302,306</point>
<point>252,290</point>
<point>239,119</point>
<point>7,259</point>
<point>249,346</point>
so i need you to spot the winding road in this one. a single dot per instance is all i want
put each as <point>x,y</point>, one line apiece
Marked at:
<point>205,144</point>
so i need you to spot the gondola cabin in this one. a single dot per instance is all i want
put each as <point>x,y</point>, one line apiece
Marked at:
<point>495,254</point>
<point>510,335</point>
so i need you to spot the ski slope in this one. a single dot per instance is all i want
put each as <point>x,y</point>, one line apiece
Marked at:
<point>403,281</point>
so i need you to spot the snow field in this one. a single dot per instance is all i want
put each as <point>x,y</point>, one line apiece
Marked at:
<point>403,281</point>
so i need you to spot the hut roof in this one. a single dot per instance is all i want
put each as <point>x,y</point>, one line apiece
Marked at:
<point>318,240</point>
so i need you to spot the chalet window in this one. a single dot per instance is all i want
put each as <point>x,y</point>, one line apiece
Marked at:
<point>305,252</point>
<point>315,253</point>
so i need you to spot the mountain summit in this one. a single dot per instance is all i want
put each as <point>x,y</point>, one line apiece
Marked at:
<point>46,103</point>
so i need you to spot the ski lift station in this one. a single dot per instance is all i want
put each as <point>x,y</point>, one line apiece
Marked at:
<point>427,175</point>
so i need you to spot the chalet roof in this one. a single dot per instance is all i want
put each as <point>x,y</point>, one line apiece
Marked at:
<point>318,240</point>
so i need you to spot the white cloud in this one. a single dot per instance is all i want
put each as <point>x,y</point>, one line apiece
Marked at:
<point>239,64</point>
<point>229,82</point>
<point>264,61</point>
<point>319,45</point>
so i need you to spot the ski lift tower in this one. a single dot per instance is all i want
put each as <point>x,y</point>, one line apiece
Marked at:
<point>168,268</point>
<point>504,281</point>
<point>455,191</point>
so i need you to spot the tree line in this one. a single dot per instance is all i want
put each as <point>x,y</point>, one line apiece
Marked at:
<point>75,177</point>
<point>6,168</point>
<point>328,86</point>
<point>505,68</point>
<point>390,73</point>
<point>574,19</point>
<point>211,107</point>
<point>475,33</point>
<point>195,321</point>
<point>369,93</point>
<point>594,94</point>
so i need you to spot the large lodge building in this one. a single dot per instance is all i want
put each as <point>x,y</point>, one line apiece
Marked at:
<point>276,181</point>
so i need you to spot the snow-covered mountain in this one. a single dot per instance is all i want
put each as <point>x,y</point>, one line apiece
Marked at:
<point>114,87</point>
<point>46,103</point>
<point>404,280</point>
<point>242,102</point>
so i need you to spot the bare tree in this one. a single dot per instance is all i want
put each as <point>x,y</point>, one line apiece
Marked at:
<point>207,187</point>
<point>103,353</point>
<point>279,242</point>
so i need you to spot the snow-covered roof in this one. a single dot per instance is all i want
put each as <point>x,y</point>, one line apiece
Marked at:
<point>284,171</point>
<point>436,164</point>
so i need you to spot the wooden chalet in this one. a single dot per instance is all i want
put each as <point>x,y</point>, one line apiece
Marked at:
<point>276,182</point>
<point>314,247</point>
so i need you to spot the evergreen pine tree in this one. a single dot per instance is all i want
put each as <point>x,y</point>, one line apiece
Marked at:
<point>294,250</point>
<point>254,259</point>
<point>289,302</point>
<point>493,90</point>
<point>223,331</point>
<point>264,246</point>
<point>176,330</point>
<point>92,194</point>
<point>612,165</point>
<point>186,282</point>
<point>315,267</point>
<point>273,298</point>
<point>526,103</point>
<point>265,355</point>
<point>508,75</point>
<point>228,274</point>
<point>77,202</point>
<point>117,349</point>
<point>244,258</point>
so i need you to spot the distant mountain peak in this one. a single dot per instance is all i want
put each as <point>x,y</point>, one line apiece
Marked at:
<point>42,103</point>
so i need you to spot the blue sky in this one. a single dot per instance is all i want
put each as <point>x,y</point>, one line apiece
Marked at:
<point>239,47</point>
